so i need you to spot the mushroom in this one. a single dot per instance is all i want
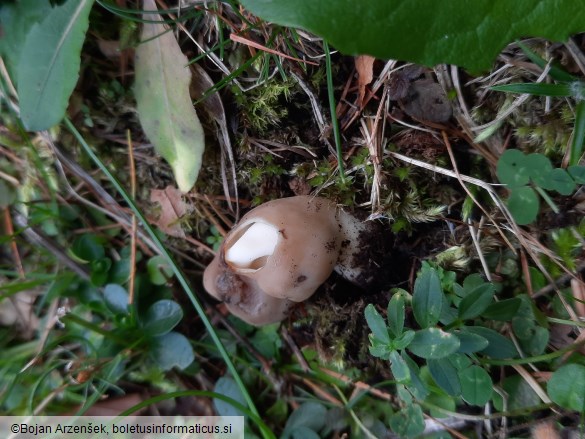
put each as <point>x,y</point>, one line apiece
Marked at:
<point>282,251</point>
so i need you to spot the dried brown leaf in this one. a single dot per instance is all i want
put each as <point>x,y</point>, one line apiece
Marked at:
<point>172,209</point>
<point>364,65</point>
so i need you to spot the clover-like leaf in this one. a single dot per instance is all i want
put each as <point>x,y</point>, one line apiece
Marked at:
<point>539,169</point>
<point>567,387</point>
<point>512,169</point>
<point>524,205</point>
<point>562,182</point>
<point>578,173</point>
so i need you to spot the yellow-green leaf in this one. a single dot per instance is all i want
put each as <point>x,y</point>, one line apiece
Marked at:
<point>162,96</point>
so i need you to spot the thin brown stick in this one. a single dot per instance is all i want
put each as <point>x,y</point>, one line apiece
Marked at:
<point>15,253</point>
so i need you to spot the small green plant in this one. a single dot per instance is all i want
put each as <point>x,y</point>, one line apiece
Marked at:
<point>527,175</point>
<point>453,337</point>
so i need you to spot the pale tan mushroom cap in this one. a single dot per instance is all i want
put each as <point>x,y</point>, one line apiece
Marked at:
<point>242,296</point>
<point>307,247</point>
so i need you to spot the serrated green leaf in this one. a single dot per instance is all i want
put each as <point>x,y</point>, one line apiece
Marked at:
<point>48,67</point>
<point>161,317</point>
<point>567,387</point>
<point>445,375</point>
<point>469,33</point>
<point>578,173</point>
<point>396,314</point>
<point>536,89</point>
<point>377,324</point>
<point>524,205</point>
<point>512,169</point>
<point>172,350</point>
<point>476,302</point>
<point>428,297</point>
<point>433,343</point>
<point>162,97</point>
<point>476,385</point>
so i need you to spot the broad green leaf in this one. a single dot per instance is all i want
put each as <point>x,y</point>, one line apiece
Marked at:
<point>562,182</point>
<point>399,367</point>
<point>470,343</point>
<point>47,70</point>
<point>379,349</point>
<point>396,314</point>
<point>416,386</point>
<point>226,386</point>
<point>443,401</point>
<point>87,248</point>
<point>16,19</point>
<point>537,89</point>
<point>100,271</point>
<point>469,33</point>
<point>499,346</point>
<point>402,341</point>
<point>523,204</point>
<point>473,304</point>
<point>445,375</point>
<point>162,317</point>
<point>476,385</point>
<point>311,415</point>
<point>408,422</point>
<point>377,324</point>
<point>116,298</point>
<point>578,173</point>
<point>433,343</point>
<point>172,350</point>
<point>512,169</point>
<point>428,297</point>
<point>532,337</point>
<point>539,169</point>
<point>162,97</point>
<point>159,271</point>
<point>567,387</point>
<point>520,395</point>
<point>503,310</point>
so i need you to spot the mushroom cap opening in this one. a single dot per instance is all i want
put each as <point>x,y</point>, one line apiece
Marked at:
<point>251,246</point>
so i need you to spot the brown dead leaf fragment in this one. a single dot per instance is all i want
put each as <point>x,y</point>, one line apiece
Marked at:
<point>364,65</point>
<point>172,208</point>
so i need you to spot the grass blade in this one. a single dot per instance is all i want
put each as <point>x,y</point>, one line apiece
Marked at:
<point>176,270</point>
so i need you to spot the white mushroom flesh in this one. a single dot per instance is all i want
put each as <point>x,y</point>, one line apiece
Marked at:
<point>253,247</point>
